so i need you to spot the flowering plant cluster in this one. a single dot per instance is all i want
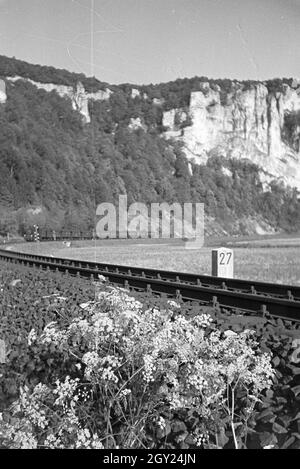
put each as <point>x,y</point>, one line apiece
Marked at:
<point>130,366</point>
<point>47,418</point>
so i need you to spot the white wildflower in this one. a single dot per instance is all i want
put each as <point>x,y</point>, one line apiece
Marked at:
<point>32,337</point>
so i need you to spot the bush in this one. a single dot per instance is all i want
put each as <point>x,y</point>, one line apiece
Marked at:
<point>121,372</point>
<point>33,298</point>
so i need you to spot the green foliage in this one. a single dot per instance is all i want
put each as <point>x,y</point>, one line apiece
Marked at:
<point>48,297</point>
<point>50,160</point>
<point>10,67</point>
<point>276,84</point>
<point>291,130</point>
<point>45,297</point>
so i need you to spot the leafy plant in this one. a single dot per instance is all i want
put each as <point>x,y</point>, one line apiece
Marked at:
<point>32,299</point>
<point>136,364</point>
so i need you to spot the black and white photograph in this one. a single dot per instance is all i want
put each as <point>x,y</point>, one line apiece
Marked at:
<point>149,227</point>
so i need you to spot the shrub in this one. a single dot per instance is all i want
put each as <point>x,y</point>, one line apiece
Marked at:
<point>127,372</point>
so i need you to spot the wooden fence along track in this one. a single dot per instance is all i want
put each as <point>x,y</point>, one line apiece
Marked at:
<point>279,300</point>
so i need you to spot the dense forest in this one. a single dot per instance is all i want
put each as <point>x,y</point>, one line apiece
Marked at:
<point>10,67</point>
<point>60,168</point>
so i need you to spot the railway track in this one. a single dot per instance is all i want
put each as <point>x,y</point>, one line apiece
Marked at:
<point>260,297</point>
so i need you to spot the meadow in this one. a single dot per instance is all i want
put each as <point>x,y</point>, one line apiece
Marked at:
<point>275,260</point>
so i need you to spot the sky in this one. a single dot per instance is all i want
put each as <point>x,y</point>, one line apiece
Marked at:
<point>153,41</point>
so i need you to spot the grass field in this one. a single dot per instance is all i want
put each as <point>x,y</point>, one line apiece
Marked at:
<point>275,262</point>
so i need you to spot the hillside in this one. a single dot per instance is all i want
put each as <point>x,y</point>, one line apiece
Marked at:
<point>69,142</point>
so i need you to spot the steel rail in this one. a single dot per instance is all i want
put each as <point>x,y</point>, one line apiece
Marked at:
<point>232,293</point>
<point>246,286</point>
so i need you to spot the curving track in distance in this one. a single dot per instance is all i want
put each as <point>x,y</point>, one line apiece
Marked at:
<point>260,297</point>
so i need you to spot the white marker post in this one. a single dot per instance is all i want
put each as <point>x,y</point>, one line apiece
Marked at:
<point>2,351</point>
<point>222,262</point>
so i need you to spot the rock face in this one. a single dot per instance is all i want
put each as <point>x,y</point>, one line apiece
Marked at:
<point>136,123</point>
<point>243,124</point>
<point>135,93</point>
<point>3,96</point>
<point>79,97</point>
<point>246,122</point>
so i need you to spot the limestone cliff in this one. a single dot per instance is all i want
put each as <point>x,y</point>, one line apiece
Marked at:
<point>79,97</point>
<point>245,123</point>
